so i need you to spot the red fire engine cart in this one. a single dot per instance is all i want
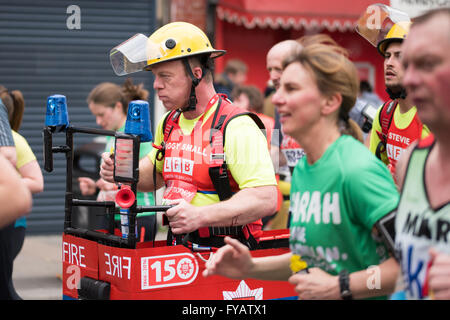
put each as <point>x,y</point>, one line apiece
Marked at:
<point>108,264</point>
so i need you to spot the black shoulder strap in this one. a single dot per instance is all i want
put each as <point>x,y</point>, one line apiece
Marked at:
<point>170,120</point>
<point>252,115</point>
<point>218,171</point>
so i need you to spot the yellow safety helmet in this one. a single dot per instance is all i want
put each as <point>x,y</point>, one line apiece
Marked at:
<point>173,41</point>
<point>398,32</point>
<point>176,40</point>
<point>179,40</point>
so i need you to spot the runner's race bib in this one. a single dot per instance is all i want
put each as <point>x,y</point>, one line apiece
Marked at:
<point>177,189</point>
<point>291,151</point>
<point>293,155</point>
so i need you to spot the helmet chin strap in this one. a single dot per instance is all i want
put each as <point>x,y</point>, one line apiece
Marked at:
<point>397,94</point>
<point>192,101</point>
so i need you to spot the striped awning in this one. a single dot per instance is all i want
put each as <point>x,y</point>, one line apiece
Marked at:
<point>333,15</point>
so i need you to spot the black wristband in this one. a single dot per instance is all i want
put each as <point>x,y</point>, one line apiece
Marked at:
<point>344,285</point>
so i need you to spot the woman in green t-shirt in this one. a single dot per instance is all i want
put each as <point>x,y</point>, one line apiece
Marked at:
<point>108,102</point>
<point>339,190</point>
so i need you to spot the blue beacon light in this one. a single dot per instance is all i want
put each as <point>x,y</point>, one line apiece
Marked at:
<point>138,120</point>
<point>57,115</point>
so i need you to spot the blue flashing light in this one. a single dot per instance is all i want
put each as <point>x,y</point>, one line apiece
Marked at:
<point>57,114</point>
<point>138,120</point>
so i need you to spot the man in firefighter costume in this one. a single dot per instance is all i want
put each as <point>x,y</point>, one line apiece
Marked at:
<point>211,156</point>
<point>396,124</point>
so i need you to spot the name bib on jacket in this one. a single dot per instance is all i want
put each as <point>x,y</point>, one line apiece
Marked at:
<point>187,160</point>
<point>291,150</point>
<point>177,189</point>
<point>399,139</point>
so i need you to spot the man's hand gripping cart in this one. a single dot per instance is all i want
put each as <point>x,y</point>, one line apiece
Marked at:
<point>111,263</point>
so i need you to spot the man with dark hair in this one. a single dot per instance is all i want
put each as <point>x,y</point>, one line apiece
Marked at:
<point>396,124</point>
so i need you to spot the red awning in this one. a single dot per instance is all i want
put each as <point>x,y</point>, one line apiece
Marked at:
<point>297,14</point>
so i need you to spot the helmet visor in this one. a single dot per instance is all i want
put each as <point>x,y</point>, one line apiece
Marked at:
<point>132,55</point>
<point>139,52</point>
<point>377,20</point>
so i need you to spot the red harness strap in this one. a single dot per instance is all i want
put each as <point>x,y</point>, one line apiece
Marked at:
<point>218,172</point>
<point>385,117</point>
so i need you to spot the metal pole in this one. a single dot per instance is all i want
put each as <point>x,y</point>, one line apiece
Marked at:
<point>69,167</point>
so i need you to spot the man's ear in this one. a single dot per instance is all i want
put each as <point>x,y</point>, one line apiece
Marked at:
<point>197,72</point>
<point>332,104</point>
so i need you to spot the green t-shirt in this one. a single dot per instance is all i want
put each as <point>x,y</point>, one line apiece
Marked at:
<point>143,198</point>
<point>335,203</point>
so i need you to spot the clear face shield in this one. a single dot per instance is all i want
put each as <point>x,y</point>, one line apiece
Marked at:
<point>377,20</point>
<point>133,54</point>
